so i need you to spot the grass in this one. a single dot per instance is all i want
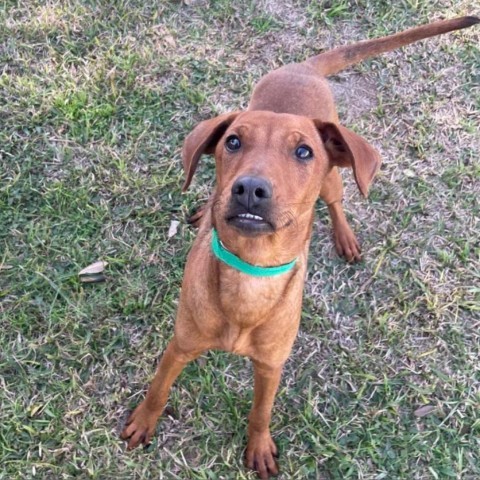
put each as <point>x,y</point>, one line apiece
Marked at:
<point>95,103</point>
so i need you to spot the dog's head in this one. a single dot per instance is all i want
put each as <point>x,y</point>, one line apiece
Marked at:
<point>270,167</point>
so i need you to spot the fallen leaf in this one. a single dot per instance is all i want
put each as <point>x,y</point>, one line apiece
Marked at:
<point>173,228</point>
<point>424,411</point>
<point>94,268</point>
<point>93,278</point>
<point>169,40</point>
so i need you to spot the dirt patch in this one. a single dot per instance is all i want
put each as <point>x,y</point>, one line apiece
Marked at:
<point>355,95</point>
<point>289,11</point>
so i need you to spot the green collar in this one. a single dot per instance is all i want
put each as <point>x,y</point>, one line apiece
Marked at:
<point>238,264</point>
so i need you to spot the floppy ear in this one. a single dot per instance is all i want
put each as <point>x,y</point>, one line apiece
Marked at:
<point>347,149</point>
<point>203,139</point>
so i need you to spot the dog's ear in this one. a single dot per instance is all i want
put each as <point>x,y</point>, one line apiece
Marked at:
<point>347,149</point>
<point>203,139</point>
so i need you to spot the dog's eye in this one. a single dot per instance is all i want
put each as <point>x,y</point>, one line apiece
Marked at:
<point>303,152</point>
<point>232,143</point>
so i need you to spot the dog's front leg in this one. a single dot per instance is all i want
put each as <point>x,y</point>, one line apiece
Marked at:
<point>261,449</point>
<point>346,243</point>
<point>331,193</point>
<point>141,424</point>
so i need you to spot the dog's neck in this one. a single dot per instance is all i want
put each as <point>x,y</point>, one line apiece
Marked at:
<point>235,262</point>
<point>279,248</point>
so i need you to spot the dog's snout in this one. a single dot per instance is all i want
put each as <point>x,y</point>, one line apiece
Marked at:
<point>251,191</point>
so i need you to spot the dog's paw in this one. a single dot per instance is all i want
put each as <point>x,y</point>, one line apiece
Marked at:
<point>260,456</point>
<point>140,427</point>
<point>346,244</point>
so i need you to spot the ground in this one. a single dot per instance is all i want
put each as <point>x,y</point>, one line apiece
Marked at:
<point>95,100</point>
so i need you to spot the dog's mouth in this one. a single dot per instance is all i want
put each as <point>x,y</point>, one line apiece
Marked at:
<point>250,224</point>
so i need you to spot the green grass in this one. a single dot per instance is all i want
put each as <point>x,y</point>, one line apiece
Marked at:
<point>95,101</point>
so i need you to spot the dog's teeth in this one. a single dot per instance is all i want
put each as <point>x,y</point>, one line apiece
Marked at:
<point>249,215</point>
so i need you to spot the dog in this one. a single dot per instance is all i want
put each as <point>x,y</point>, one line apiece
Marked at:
<point>244,276</point>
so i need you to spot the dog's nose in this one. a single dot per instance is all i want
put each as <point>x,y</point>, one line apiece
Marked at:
<point>251,191</point>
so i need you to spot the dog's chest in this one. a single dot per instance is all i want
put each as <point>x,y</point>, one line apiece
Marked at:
<point>246,300</point>
<point>251,305</point>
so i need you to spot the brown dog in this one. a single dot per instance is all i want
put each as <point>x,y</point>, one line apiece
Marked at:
<point>243,282</point>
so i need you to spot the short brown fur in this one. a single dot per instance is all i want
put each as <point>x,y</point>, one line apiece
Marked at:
<point>222,308</point>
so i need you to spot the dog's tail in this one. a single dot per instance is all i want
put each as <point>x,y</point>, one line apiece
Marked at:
<point>334,61</point>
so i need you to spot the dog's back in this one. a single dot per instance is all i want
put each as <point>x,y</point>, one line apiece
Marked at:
<point>301,89</point>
